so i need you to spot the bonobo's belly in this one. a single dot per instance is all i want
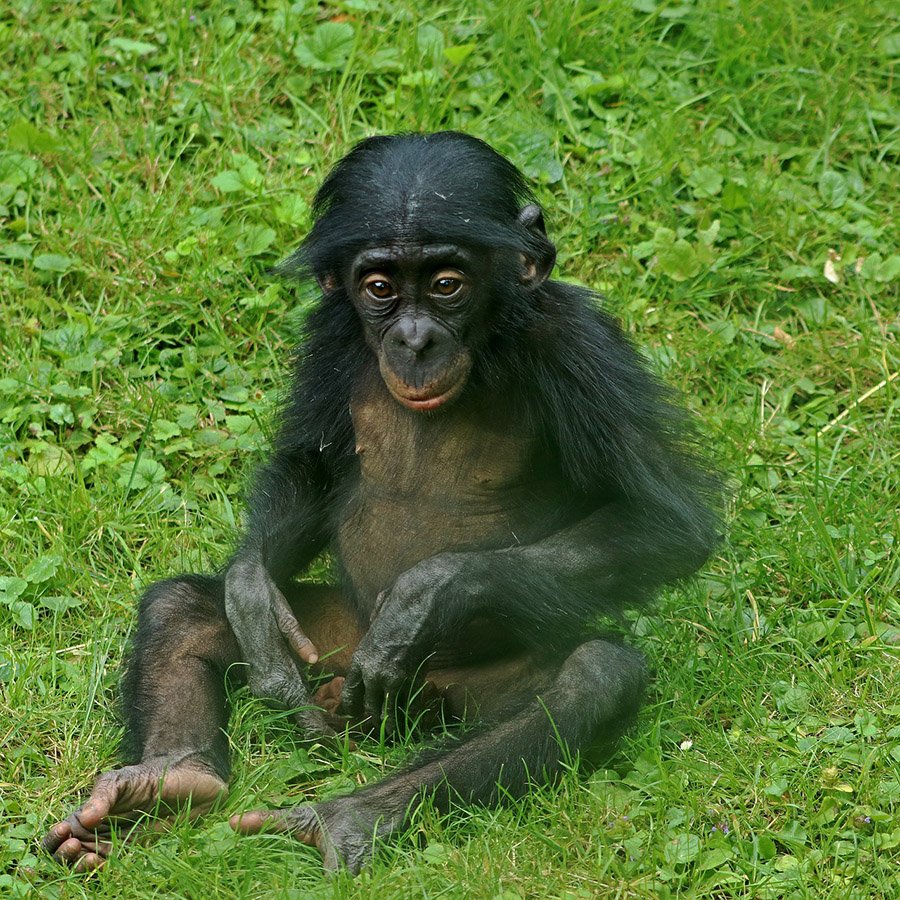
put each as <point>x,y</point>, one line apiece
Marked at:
<point>460,479</point>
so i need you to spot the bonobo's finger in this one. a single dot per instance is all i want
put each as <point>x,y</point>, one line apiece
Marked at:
<point>69,852</point>
<point>313,725</point>
<point>101,802</point>
<point>288,625</point>
<point>299,823</point>
<point>379,602</point>
<point>56,836</point>
<point>375,698</point>
<point>352,694</point>
<point>89,862</point>
<point>254,822</point>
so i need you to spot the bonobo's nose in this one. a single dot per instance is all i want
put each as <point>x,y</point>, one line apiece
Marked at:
<point>418,334</point>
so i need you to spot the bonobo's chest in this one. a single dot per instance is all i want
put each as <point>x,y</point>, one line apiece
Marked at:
<point>462,478</point>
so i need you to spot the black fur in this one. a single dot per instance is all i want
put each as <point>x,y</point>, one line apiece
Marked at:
<point>612,499</point>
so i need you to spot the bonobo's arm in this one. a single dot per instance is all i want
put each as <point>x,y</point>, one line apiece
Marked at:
<point>286,531</point>
<point>545,593</point>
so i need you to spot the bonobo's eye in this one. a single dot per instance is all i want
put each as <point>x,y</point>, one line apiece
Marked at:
<point>447,284</point>
<point>378,287</point>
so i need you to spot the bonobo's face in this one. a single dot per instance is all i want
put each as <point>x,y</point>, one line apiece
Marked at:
<point>417,303</point>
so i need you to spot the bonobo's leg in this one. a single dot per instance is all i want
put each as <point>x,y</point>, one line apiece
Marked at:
<point>176,711</point>
<point>589,699</point>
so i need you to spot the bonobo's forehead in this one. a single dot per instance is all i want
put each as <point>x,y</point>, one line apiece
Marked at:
<point>409,254</point>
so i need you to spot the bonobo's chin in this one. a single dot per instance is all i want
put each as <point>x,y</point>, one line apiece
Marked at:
<point>434,394</point>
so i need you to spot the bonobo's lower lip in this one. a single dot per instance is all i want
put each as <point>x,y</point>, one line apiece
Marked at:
<point>420,401</point>
<point>433,395</point>
<point>427,403</point>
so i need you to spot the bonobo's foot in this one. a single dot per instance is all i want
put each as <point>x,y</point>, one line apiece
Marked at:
<point>344,830</point>
<point>121,798</point>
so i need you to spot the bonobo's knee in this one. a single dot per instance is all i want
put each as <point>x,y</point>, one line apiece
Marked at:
<point>614,673</point>
<point>182,604</point>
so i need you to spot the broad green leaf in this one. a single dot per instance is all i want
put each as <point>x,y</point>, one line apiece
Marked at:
<point>239,424</point>
<point>833,189</point>
<point>679,261</point>
<point>22,135</point>
<point>682,848</point>
<point>459,54</point>
<point>794,834</point>
<point>23,613</point>
<point>712,859</point>
<point>766,847</point>
<point>328,48</point>
<point>724,138</point>
<point>292,210</point>
<point>42,569</point>
<point>59,604</point>
<point>50,459</point>
<point>837,734</point>
<point>54,262</point>
<point>436,854</point>
<point>255,240</point>
<point>664,237</point>
<point>147,473</point>
<point>735,196</point>
<point>16,251</point>
<point>228,181</point>
<point>536,155</point>
<point>134,48</point>
<point>235,394</point>
<point>709,235</point>
<point>430,42</point>
<point>164,430</point>
<point>724,330</point>
<point>880,269</point>
<point>705,182</point>
<point>248,171</point>
<point>11,587</point>
<point>103,453</point>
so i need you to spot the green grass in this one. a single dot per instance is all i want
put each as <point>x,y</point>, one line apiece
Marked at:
<point>701,163</point>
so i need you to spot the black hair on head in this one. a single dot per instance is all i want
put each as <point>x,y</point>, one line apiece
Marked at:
<point>431,188</point>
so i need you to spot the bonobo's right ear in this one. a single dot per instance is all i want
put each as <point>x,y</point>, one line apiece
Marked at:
<point>536,267</point>
<point>327,282</point>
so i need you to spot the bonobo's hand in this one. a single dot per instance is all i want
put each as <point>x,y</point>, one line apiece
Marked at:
<point>271,642</point>
<point>403,633</point>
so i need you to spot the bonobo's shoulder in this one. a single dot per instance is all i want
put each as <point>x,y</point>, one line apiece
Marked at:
<point>573,321</point>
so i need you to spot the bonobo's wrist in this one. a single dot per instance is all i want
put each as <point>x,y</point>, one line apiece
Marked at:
<point>473,577</point>
<point>243,579</point>
<point>248,568</point>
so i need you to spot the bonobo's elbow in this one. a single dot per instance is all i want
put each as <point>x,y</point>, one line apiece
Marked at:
<point>695,543</point>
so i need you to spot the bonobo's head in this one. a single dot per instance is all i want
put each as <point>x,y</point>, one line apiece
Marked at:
<point>437,242</point>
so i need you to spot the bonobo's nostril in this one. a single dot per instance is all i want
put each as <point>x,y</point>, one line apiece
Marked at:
<point>416,334</point>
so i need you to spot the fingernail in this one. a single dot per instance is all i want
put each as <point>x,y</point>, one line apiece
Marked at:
<point>313,658</point>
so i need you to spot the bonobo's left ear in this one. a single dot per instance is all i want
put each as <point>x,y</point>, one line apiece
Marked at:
<point>536,268</point>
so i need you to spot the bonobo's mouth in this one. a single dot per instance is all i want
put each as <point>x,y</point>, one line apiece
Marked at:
<point>435,393</point>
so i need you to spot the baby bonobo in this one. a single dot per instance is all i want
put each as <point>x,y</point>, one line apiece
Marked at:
<point>494,470</point>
